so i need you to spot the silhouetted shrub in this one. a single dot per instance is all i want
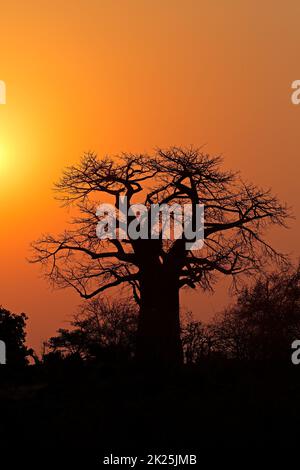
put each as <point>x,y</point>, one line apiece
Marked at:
<point>102,330</point>
<point>12,332</point>
<point>260,326</point>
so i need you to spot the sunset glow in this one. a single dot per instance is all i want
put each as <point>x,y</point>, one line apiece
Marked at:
<point>129,76</point>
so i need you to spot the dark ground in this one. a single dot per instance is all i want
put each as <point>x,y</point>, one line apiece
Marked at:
<point>85,412</point>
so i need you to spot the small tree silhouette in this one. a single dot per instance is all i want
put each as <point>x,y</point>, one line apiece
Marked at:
<point>236,215</point>
<point>12,333</point>
<point>102,329</point>
<point>260,326</point>
<point>198,340</point>
<point>264,321</point>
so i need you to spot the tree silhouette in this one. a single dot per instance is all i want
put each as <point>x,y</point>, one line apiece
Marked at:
<point>265,320</point>
<point>260,326</point>
<point>198,340</point>
<point>102,329</point>
<point>12,332</point>
<point>236,215</point>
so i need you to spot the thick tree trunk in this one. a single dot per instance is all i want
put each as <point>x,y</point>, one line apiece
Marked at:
<point>158,341</point>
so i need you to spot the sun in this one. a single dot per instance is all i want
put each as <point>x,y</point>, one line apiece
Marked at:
<point>7,165</point>
<point>4,159</point>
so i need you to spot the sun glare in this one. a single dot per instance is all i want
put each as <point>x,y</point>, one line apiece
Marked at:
<point>4,159</point>
<point>7,165</point>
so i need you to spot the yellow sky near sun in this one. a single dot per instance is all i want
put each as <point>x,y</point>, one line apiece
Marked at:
<point>129,75</point>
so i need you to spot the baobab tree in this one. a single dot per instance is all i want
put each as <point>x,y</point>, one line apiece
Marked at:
<point>236,216</point>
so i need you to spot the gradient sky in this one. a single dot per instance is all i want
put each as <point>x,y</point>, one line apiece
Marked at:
<point>129,75</point>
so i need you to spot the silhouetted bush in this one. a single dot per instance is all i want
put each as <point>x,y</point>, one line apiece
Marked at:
<point>260,326</point>
<point>12,332</point>
<point>102,330</point>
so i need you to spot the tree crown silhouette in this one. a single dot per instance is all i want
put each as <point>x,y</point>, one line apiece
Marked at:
<point>236,216</point>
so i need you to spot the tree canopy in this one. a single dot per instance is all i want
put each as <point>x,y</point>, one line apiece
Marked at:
<point>236,216</point>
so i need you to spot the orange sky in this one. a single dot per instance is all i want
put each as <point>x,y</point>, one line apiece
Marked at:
<point>129,75</point>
